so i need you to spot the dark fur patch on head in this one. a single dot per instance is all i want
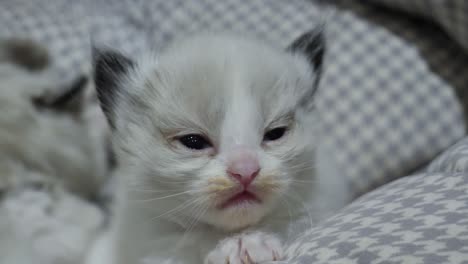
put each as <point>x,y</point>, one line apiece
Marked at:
<point>109,68</point>
<point>312,45</point>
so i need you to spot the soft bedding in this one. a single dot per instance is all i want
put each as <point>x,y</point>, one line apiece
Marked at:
<point>394,94</point>
<point>421,218</point>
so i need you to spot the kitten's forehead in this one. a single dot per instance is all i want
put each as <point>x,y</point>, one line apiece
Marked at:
<point>219,79</point>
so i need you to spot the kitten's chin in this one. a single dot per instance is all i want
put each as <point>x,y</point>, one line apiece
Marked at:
<point>238,217</point>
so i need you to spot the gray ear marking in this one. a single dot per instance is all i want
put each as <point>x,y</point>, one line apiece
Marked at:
<point>312,45</point>
<point>109,68</point>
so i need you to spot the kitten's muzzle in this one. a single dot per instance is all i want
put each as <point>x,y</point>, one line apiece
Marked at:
<point>243,165</point>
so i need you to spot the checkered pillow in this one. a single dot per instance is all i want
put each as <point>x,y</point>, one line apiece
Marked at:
<point>393,92</point>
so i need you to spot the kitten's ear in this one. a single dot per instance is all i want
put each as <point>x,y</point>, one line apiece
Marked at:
<point>312,45</point>
<point>109,69</point>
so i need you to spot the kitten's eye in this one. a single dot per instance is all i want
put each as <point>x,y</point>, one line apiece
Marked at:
<point>274,134</point>
<point>194,141</point>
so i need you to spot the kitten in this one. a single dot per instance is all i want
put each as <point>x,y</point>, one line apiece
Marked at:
<point>52,155</point>
<point>216,141</point>
<point>47,126</point>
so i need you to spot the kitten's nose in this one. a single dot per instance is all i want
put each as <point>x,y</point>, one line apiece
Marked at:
<point>243,165</point>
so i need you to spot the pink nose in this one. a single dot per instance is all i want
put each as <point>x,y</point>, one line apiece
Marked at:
<point>243,166</point>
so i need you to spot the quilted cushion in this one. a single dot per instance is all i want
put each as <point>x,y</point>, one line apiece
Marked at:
<point>393,93</point>
<point>417,219</point>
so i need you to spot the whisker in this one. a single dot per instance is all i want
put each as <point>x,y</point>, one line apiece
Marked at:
<point>309,216</point>
<point>296,169</point>
<point>201,211</point>
<point>176,209</point>
<point>304,165</point>
<point>164,197</point>
<point>154,191</point>
<point>169,181</point>
<point>295,181</point>
<point>304,181</point>
<point>283,199</point>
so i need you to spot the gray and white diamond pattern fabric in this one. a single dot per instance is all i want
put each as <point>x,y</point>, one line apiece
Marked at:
<point>417,219</point>
<point>393,93</point>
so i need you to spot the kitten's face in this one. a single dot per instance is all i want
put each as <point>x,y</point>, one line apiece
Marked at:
<point>217,130</point>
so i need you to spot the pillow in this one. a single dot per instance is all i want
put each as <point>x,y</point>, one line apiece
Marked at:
<point>393,93</point>
<point>417,219</point>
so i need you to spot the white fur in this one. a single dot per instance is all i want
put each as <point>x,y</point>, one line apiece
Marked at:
<point>253,247</point>
<point>232,90</point>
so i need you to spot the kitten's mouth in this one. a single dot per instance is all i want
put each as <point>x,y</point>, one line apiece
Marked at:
<point>240,198</point>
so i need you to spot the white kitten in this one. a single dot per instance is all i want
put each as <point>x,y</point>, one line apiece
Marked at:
<point>216,142</point>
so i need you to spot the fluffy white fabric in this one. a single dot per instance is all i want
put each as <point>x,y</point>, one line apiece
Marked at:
<point>46,226</point>
<point>50,157</point>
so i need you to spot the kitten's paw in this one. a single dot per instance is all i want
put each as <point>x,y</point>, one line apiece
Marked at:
<point>247,248</point>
